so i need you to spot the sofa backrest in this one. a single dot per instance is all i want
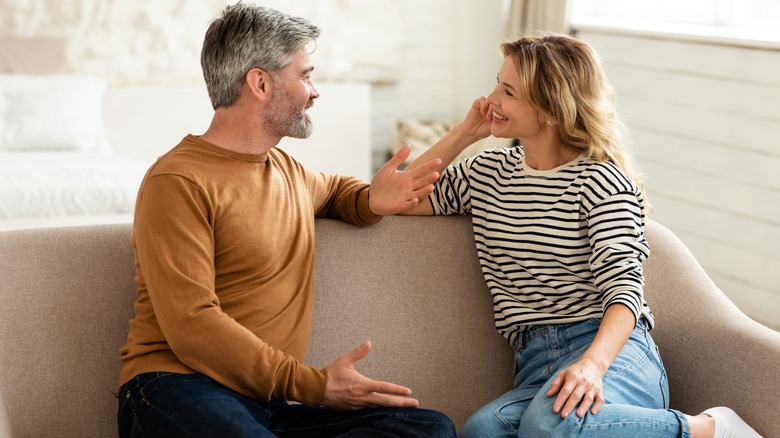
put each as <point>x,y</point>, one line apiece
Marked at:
<point>67,295</point>
<point>419,296</point>
<point>411,285</point>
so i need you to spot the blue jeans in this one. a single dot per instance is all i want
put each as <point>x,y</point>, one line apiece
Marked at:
<point>635,390</point>
<point>192,405</point>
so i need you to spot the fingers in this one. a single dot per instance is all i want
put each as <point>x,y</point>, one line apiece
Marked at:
<point>568,398</point>
<point>480,103</point>
<point>555,386</point>
<point>416,197</point>
<point>378,393</point>
<point>587,400</point>
<point>359,352</point>
<point>422,193</point>
<point>347,389</point>
<point>400,156</point>
<point>484,106</point>
<point>374,393</point>
<point>598,403</point>
<point>384,400</point>
<point>387,388</point>
<point>585,404</point>
<point>575,394</point>
<point>426,173</point>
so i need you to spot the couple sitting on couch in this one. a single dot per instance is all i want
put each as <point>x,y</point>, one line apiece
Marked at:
<point>224,245</point>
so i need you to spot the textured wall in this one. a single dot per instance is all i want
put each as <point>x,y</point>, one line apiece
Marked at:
<point>128,43</point>
<point>425,58</point>
<point>158,42</point>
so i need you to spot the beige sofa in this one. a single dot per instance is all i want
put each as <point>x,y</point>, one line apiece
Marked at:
<point>411,285</point>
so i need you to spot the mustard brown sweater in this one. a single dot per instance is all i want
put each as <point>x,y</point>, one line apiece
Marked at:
<point>224,253</point>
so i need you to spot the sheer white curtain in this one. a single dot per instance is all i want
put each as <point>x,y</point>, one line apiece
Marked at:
<point>529,16</point>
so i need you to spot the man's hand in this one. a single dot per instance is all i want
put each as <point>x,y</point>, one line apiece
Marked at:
<point>393,191</point>
<point>348,389</point>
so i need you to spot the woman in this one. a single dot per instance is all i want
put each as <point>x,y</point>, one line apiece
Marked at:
<point>558,224</point>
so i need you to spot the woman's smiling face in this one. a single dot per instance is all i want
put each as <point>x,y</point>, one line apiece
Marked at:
<point>513,116</point>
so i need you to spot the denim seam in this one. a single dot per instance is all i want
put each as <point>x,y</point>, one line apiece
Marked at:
<point>501,419</point>
<point>603,425</point>
<point>627,367</point>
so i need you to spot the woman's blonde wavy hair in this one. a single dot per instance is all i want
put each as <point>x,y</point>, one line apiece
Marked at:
<point>563,79</point>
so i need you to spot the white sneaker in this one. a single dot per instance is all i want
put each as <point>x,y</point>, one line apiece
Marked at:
<point>729,425</point>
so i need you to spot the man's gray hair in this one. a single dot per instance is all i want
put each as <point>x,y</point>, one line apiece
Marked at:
<point>246,36</point>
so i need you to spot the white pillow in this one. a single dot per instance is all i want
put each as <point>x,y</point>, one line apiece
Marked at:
<point>51,112</point>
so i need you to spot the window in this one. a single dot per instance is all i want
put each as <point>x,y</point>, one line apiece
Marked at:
<point>746,20</point>
<point>755,13</point>
<point>690,11</point>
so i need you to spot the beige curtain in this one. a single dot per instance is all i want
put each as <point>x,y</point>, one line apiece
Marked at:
<point>528,16</point>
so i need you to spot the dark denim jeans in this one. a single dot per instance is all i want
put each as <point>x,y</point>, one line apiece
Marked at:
<point>192,405</point>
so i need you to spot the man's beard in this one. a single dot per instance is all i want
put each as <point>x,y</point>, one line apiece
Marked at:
<point>285,118</point>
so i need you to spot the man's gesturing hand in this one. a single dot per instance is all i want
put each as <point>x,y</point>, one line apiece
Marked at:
<point>348,389</point>
<point>393,191</point>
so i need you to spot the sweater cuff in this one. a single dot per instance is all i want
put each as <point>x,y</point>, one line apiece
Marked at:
<point>366,216</point>
<point>310,385</point>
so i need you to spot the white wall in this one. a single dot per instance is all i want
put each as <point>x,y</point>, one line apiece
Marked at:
<point>706,129</point>
<point>424,59</point>
<point>450,58</point>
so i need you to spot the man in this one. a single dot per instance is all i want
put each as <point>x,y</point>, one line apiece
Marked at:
<point>224,247</point>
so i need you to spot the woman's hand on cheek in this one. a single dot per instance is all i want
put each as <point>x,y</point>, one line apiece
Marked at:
<point>477,122</point>
<point>578,387</point>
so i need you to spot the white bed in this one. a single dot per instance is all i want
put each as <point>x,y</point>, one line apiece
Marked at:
<point>55,160</point>
<point>73,151</point>
<point>67,183</point>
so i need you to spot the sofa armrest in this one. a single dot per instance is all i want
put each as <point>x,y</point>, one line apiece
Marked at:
<point>714,354</point>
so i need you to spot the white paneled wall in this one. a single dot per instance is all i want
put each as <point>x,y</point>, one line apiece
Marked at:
<point>705,121</point>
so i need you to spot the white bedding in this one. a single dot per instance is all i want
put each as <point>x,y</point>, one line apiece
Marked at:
<point>67,183</point>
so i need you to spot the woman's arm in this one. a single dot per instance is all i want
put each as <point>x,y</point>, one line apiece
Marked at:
<point>581,383</point>
<point>474,127</point>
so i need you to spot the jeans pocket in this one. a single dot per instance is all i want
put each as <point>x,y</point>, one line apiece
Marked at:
<point>127,419</point>
<point>634,352</point>
<point>146,386</point>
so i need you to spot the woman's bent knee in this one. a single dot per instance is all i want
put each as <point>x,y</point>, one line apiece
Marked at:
<point>539,419</point>
<point>491,421</point>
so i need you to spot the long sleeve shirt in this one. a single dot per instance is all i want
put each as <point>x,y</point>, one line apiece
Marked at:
<point>224,253</point>
<point>555,246</point>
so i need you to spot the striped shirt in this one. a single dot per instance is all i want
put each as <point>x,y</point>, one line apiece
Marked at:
<point>555,246</point>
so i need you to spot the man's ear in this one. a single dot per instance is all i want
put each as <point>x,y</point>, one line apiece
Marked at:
<point>259,83</point>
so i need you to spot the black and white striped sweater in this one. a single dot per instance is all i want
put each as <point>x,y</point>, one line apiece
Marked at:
<point>555,246</point>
